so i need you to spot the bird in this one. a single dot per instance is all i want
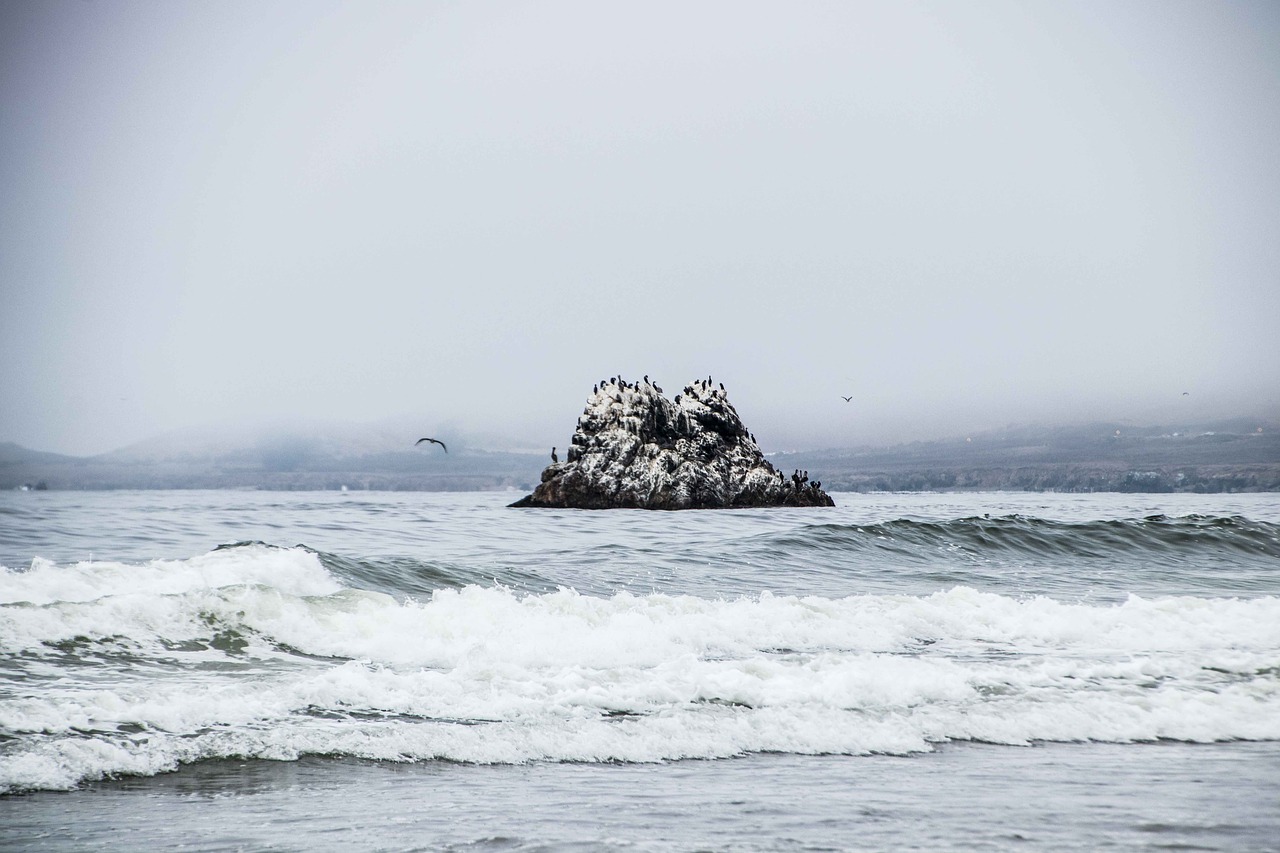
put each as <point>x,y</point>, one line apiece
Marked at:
<point>433,441</point>
<point>846,399</point>
<point>1186,393</point>
<point>554,458</point>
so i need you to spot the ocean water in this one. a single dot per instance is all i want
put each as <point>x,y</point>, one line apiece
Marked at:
<point>425,671</point>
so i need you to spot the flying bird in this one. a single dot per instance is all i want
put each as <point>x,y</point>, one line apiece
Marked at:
<point>433,441</point>
<point>846,399</point>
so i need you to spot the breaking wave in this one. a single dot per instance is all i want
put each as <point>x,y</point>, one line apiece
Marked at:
<point>267,652</point>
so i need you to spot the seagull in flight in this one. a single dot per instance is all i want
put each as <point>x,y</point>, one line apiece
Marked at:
<point>846,399</point>
<point>433,441</point>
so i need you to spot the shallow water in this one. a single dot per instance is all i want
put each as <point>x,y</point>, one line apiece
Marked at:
<point>961,797</point>
<point>425,671</point>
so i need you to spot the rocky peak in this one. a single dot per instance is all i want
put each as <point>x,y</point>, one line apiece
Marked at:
<point>633,447</point>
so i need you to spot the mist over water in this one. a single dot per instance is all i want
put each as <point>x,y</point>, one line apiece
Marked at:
<point>960,216</point>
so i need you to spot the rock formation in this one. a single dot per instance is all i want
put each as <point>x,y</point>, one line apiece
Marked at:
<point>635,448</point>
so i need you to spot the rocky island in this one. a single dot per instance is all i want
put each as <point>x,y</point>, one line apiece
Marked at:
<point>634,448</point>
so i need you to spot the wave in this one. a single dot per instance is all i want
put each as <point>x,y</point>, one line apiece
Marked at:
<point>400,576</point>
<point>1155,537</point>
<point>257,651</point>
<point>1194,554</point>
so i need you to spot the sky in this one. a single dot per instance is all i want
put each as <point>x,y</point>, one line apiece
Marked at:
<point>458,216</point>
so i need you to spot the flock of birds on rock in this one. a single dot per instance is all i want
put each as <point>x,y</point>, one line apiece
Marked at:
<point>800,480</point>
<point>705,387</point>
<point>624,385</point>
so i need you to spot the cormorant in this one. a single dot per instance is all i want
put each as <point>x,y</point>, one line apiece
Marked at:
<point>433,441</point>
<point>554,458</point>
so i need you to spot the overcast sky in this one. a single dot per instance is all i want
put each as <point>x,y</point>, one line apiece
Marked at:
<point>461,215</point>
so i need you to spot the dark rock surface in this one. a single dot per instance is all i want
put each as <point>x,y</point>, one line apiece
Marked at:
<point>635,448</point>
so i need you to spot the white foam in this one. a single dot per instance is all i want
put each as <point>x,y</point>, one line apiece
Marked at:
<point>293,570</point>
<point>488,675</point>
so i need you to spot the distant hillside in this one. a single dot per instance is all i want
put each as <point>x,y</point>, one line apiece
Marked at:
<point>18,466</point>
<point>279,462</point>
<point>1224,456</point>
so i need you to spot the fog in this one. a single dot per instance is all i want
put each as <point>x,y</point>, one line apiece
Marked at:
<point>462,215</point>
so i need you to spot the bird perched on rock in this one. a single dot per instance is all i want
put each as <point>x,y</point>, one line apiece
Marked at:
<point>433,441</point>
<point>554,458</point>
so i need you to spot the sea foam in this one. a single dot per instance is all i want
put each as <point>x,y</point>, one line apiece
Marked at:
<point>261,652</point>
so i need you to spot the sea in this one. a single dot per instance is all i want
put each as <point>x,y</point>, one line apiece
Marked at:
<point>247,670</point>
